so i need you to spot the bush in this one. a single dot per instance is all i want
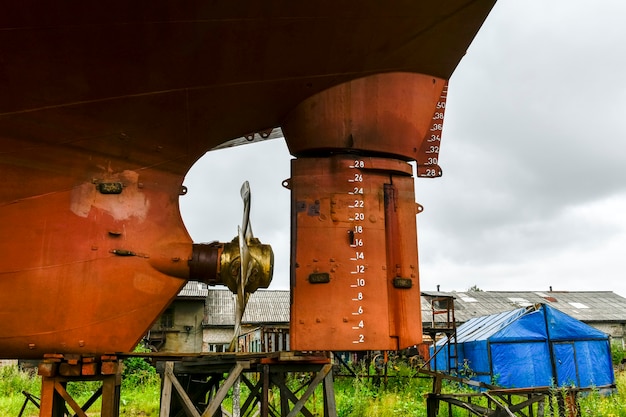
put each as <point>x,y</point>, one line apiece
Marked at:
<point>617,353</point>
<point>12,382</point>
<point>138,371</point>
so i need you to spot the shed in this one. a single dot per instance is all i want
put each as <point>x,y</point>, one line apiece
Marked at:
<point>534,346</point>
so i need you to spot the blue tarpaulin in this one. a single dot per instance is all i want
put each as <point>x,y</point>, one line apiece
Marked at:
<point>529,347</point>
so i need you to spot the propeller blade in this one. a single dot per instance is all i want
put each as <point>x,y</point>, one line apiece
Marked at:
<point>247,201</point>
<point>246,265</point>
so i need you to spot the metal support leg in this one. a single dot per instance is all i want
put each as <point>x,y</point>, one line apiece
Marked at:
<point>266,390</point>
<point>330,407</point>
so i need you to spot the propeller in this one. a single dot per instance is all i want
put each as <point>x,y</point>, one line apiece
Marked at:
<point>243,264</point>
<point>253,268</point>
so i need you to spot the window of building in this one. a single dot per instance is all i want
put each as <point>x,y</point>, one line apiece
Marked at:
<point>217,347</point>
<point>167,319</point>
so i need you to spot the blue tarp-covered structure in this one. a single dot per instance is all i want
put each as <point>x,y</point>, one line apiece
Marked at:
<point>529,347</point>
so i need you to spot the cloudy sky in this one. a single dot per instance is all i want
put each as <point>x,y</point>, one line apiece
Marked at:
<point>533,153</point>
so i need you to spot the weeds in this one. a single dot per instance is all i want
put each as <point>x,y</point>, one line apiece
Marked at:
<point>597,404</point>
<point>369,395</point>
<point>140,392</point>
<point>15,381</point>
<point>365,396</point>
<point>12,383</point>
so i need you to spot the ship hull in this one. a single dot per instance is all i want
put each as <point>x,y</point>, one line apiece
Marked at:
<point>106,106</point>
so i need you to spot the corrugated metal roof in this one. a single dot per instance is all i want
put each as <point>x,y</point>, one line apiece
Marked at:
<point>194,289</point>
<point>272,306</point>
<point>264,306</point>
<point>586,306</point>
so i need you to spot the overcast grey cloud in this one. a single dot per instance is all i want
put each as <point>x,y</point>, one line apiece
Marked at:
<point>534,186</point>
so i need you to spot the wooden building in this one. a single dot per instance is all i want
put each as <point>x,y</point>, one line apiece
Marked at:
<point>179,328</point>
<point>201,319</point>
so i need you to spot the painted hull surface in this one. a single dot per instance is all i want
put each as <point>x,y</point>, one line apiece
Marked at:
<point>105,106</point>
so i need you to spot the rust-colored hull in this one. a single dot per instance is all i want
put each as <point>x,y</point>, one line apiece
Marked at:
<point>131,93</point>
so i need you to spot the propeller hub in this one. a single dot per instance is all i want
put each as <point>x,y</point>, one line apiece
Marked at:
<point>219,263</point>
<point>260,267</point>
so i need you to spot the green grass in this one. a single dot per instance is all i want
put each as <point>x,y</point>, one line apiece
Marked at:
<point>12,383</point>
<point>596,404</point>
<point>403,395</point>
<point>140,391</point>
